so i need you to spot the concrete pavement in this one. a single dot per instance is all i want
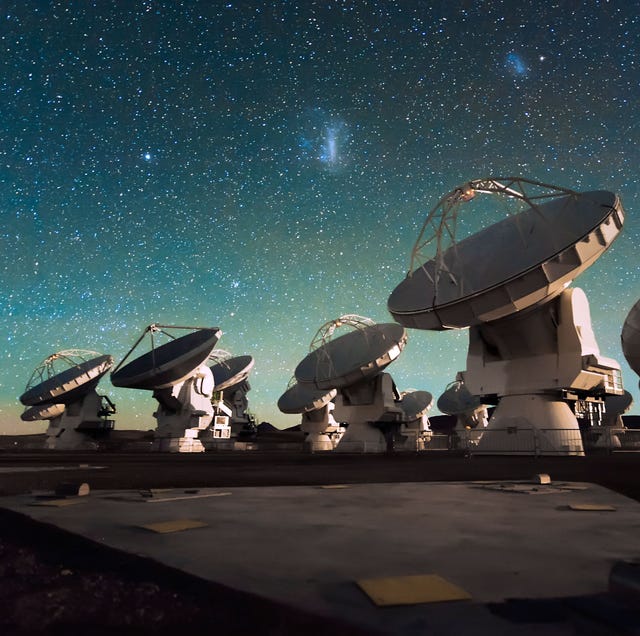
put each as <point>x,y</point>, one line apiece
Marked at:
<point>307,546</point>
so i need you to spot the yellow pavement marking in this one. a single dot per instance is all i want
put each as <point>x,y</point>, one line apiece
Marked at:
<point>592,507</point>
<point>175,525</point>
<point>411,590</point>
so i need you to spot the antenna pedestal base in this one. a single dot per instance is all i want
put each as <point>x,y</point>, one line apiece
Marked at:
<point>236,400</point>
<point>319,442</point>
<point>178,433</point>
<point>79,427</point>
<point>218,435</point>
<point>478,418</point>
<point>178,444</point>
<point>365,406</point>
<point>362,437</point>
<point>184,411</point>
<point>531,425</point>
<point>323,432</point>
<point>413,439</point>
<point>61,436</point>
<point>532,361</point>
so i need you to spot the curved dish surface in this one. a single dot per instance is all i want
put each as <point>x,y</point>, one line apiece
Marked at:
<point>416,404</point>
<point>168,364</point>
<point>301,398</point>
<point>42,412</point>
<point>352,357</point>
<point>457,399</point>
<point>69,385</point>
<point>513,264</point>
<point>630,338</point>
<point>231,371</point>
<point>618,404</point>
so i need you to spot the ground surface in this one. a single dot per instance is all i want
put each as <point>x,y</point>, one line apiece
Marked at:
<point>54,583</point>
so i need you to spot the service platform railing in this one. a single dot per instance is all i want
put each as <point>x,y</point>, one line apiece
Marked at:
<point>535,441</point>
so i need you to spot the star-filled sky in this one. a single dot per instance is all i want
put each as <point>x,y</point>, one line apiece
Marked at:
<point>265,167</point>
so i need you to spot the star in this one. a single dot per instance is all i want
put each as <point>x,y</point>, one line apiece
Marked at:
<point>201,159</point>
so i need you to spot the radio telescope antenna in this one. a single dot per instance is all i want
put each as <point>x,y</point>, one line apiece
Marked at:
<point>62,391</point>
<point>362,352</point>
<point>630,338</point>
<point>301,398</point>
<point>415,428</point>
<point>165,365</point>
<point>316,407</point>
<point>326,332</point>
<point>231,405</point>
<point>439,227</point>
<point>615,407</point>
<point>42,412</point>
<point>501,266</point>
<point>65,376</point>
<point>613,424</point>
<point>457,400</point>
<point>231,371</point>
<point>507,281</point>
<point>415,404</point>
<point>341,379</point>
<point>180,380</point>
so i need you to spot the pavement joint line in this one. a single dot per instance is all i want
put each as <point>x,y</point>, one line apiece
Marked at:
<point>142,498</point>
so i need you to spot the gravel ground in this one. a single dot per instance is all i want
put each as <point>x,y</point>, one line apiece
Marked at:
<point>52,582</point>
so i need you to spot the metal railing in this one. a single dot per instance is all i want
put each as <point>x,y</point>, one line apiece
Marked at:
<point>536,441</point>
<point>521,441</point>
<point>612,439</point>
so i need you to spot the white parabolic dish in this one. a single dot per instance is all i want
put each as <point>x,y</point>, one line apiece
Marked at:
<point>416,404</point>
<point>301,398</point>
<point>352,357</point>
<point>232,371</point>
<point>618,404</point>
<point>516,263</point>
<point>631,338</point>
<point>42,412</point>
<point>69,385</point>
<point>168,364</point>
<point>457,399</point>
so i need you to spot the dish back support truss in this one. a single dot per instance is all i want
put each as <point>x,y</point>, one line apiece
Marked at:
<point>439,230</point>
<point>326,332</point>
<point>151,330</point>
<point>57,362</point>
